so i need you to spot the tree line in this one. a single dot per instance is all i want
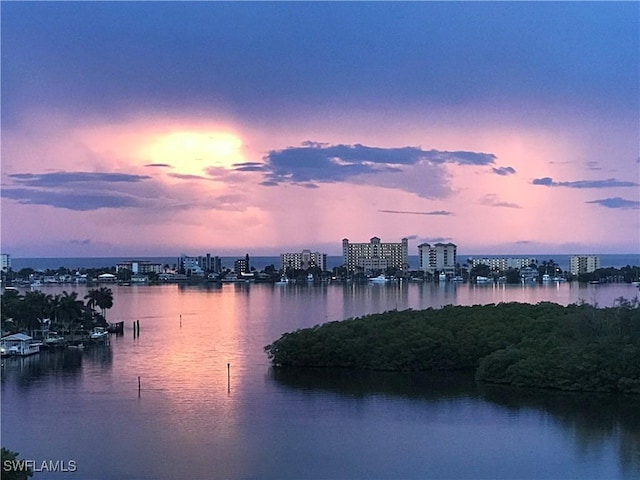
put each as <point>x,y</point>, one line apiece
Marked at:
<point>66,313</point>
<point>576,348</point>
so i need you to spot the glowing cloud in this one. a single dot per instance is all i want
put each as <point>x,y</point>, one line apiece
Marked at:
<point>191,153</point>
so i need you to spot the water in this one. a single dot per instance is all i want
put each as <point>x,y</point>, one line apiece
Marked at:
<point>192,420</point>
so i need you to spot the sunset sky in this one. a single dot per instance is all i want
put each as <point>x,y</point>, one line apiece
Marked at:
<point>150,129</point>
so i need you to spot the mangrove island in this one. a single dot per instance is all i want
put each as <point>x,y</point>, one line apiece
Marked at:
<point>578,347</point>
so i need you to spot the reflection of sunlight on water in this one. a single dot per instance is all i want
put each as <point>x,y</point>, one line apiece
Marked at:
<point>187,411</point>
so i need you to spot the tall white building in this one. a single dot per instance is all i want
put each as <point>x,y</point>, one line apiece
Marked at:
<point>375,255</point>
<point>5,261</point>
<point>583,264</point>
<point>440,257</point>
<point>303,260</point>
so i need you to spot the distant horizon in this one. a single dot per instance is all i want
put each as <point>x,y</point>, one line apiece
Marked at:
<point>263,255</point>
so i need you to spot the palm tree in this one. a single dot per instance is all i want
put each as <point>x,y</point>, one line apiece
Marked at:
<point>35,309</point>
<point>70,309</point>
<point>104,300</point>
<point>92,298</point>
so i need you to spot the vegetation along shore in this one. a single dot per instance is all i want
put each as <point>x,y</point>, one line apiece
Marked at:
<point>573,348</point>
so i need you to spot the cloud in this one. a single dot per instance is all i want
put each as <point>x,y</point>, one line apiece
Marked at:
<point>249,167</point>
<point>56,179</point>
<point>617,202</point>
<point>186,176</point>
<point>411,169</point>
<point>593,165</point>
<point>80,191</point>
<point>608,183</point>
<point>69,199</point>
<point>504,171</point>
<point>435,212</point>
<point>491,200</point>
<point>159,165</point>
<point>435,239</point>
<point>85,241</point>
<point>84,191</point>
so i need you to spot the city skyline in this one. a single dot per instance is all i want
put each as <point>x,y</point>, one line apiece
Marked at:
<point>137,129</point>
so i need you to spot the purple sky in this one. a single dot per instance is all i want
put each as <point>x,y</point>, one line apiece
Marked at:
<point>191,127</point>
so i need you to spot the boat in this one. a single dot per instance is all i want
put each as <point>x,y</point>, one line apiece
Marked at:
<point>283,280</point>
<point>52,339</point>
<point>379,279</point>
<point>117,327</point>
<point>98,333</point>
<point>442,277</point>
<point>546,278</point>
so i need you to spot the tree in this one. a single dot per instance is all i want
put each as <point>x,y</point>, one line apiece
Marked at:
<point>481,270</point>
<point>105,300</point>
<point>12,467</point>
<point>35,308</point>
<point>69,310</point>
<point>92,298</point>
<point>513,275</point>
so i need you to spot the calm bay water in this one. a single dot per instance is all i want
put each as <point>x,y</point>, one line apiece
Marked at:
<point>191,420</point>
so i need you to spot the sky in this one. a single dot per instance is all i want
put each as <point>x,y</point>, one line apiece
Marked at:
<point>150,129</point>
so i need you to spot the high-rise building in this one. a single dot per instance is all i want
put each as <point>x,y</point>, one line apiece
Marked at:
<point>241,265</point>
<point>440,257</point>
<point>583,264</point>
<point>375,255</point>
<point>210,263</point>
<point>303,260</point>
<point>5,261</point>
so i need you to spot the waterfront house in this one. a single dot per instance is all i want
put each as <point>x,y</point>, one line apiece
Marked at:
<point>18,344</point>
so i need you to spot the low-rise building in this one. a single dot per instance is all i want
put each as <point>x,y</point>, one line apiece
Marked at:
<point>139,266</point>
<point>190,265</point>
<point>503,263</point>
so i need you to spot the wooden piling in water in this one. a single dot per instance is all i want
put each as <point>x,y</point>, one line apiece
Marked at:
<point>228,377</point>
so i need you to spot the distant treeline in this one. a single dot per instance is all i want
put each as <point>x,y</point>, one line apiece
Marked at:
<point>574,348</point>
<point>626,274</point>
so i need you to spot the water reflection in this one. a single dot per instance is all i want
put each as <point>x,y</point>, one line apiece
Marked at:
<point>357,383</point>
<point>64,364</point>
<point>591,422</point>
<point>187,423</point>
